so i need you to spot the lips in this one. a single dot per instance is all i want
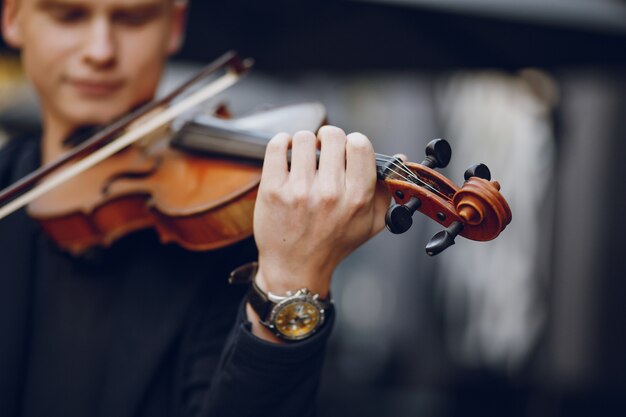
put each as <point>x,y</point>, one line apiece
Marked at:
<point>94,87</point>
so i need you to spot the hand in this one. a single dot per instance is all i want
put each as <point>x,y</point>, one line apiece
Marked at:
<point>307,220</point>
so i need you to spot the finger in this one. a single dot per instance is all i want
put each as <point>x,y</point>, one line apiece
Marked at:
<point>303,158</point>
<point>360,166</point>
<point>275,169</point>
<point>332,164</point>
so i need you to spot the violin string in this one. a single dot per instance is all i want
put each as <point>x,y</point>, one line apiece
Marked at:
<point>418,181</point>
<point>385,158</point>
<point>412,177</point>
<point>400,167</point>
<point>404,169</point>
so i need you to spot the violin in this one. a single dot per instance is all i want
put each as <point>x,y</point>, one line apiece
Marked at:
<point>198,188</point>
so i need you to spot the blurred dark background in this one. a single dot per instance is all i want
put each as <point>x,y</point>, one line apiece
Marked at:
<point>335,35</point>
<point>532,324</point>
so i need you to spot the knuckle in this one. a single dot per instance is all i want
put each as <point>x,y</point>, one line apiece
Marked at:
<point>273,196</point>
<point>359,203</point>
<point>360,199</point>
<point>298,197</point>
<point>328,197</point>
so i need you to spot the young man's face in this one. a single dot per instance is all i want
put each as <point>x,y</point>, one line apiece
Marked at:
<point>92,60</point>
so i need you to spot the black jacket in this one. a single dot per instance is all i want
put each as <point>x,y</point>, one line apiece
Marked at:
<point>141,329</point>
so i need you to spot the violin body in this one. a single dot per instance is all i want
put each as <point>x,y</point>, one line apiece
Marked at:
<point>200,203</point>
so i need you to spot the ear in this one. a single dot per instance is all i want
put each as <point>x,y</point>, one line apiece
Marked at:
<point>178,23</point>
<point>11,30</point>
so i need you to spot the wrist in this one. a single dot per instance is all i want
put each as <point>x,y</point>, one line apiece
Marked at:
<point>280,280</point>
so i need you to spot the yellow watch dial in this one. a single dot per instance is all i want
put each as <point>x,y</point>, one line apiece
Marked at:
<point>298,319</point>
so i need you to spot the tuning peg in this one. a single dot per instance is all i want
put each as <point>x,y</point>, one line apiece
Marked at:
<point>399,217</point>
<point>443,239</point>
<point>438,154</point>
<point>478,170</point>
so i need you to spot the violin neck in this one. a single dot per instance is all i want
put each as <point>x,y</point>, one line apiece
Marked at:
<point>222,141</point>
<point>249,145</point>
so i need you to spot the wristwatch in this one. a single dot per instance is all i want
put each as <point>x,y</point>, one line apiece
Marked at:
<point>294,316</point>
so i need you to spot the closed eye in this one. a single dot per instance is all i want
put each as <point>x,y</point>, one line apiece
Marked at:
<point>65,12</point>
<point>137,16</point>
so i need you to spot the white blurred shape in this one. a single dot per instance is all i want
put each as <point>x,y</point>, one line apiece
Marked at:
<point>494,312</point>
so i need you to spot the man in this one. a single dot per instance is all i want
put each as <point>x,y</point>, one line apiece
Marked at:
<point>150,329</point>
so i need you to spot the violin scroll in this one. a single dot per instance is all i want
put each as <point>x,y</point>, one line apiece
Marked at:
<point>476,210</point>
<point>483,209</point>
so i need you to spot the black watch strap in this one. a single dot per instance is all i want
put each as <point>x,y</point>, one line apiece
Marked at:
<point>256,297</point>
<point>259,302</point>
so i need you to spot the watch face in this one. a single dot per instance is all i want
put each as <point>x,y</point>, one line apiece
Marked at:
<point>298,318</point>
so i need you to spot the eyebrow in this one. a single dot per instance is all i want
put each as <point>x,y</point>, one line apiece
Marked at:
<point>143,6</point>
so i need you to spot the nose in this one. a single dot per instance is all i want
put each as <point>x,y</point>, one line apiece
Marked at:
<point>100,48</point>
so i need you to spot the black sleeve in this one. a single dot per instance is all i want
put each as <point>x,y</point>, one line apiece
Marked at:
<point>258,378</point>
